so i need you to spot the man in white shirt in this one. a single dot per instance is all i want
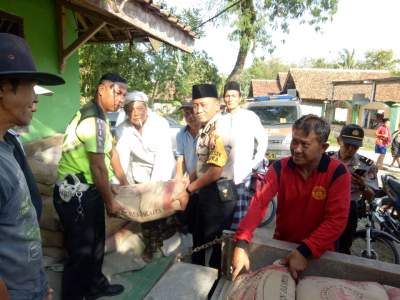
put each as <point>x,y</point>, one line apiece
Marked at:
<point>144,143</point>
<point>249,141</point>
<point>145,151</point>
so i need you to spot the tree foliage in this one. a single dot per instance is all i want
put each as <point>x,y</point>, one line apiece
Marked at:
<point>347,59</point>
<point>380,60</point>
<point>254,20</point>
<point>373,60</point>
<point>167,73</point>
<point>261,69</point>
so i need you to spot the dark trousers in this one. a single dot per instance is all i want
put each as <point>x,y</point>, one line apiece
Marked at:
<point>84,240</point>
<point>211,218</point>
<point>188,216</point>
<point>346,239</point>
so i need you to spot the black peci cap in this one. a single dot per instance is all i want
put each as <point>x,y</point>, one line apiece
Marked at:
<point>16,61</point>
<point>352,134</point>
<point>204,90</point>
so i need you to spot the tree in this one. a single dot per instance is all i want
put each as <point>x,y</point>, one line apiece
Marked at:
<point>380,60</point>
<point>347,59</point>
<point>319,63</point>
<point>261,69</point>
<point>166,73</point>
<point>253,20</point>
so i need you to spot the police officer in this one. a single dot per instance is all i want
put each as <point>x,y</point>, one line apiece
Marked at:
<point>84,189</point>
<point>214,174</point>
<point>363,180</point>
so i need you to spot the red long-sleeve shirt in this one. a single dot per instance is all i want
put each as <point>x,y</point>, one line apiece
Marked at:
<point>311,211</point>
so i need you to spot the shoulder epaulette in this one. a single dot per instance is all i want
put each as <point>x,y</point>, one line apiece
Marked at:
<point>366,160</point>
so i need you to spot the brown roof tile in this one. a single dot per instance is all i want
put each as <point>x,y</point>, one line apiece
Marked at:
<point>262,87</point>
<point>316,84</point>
<point>282,76</point>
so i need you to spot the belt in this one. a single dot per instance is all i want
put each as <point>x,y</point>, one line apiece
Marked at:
<point>71,186</point>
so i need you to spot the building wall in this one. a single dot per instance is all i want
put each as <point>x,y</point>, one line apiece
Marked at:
<point>40,30</point>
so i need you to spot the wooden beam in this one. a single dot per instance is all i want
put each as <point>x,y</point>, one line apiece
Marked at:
<point>83,39</point>
<point>60,33</point>
<point>82,21</point>
<point>87,12</point>
<point>128,35</point>
<point>108,33</point>
<point>147,20</point>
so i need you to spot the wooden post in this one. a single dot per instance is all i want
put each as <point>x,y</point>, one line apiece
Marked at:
<point>60,33</point>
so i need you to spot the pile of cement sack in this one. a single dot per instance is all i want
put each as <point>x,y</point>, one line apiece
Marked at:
<point>275,283</point>
<point>124,245</point>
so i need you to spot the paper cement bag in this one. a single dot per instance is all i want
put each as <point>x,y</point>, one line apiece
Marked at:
<point>325,288</point>
<point>392,292</point>
<point>271,282</point>
<point>150,201</point>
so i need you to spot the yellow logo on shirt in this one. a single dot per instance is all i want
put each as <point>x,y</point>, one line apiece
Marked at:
<point>319,192</point>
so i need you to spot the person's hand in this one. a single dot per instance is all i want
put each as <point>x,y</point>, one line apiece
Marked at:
<point>240,259</point>
<point>183,199</point>
<point>296,263</point>
<point>50,294</point>
<point>114,189</point>
<point>113,208</point>
<point>358,181</point>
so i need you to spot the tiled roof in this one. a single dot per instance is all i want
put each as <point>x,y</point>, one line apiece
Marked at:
<point>263,87</point>
<point>316,84</point>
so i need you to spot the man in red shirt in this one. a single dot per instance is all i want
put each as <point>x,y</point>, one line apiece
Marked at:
<point>313,199</point>
<point>382,141</point>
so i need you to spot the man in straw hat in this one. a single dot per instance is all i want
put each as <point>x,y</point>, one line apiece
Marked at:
<point>20,243</point>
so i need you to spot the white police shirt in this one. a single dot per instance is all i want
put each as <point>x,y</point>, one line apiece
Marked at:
<point>364,163</point>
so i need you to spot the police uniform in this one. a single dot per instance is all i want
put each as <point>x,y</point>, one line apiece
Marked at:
<point>82,216</point>
<point>357,162</point>
<point>213,214</point>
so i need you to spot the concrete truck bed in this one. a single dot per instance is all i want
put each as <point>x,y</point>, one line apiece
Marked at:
<point>265,251</point>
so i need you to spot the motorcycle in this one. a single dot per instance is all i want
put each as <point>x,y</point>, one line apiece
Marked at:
<point>377,240</point>
<point>388,214</point>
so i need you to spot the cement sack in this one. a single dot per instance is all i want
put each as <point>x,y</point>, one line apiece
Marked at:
<point>113,225</point>
<point>49,219</point>
<point>150,201</point>
<point>117,263</point>
<point>126,239</point>
<point>392,292</point>
<point>52,238</point>
<point>45,189</point>
<point>325,288</point>
<point>271,282</point>
<point>54,252</point>
<point>47,149</point>
<point>45,173</point>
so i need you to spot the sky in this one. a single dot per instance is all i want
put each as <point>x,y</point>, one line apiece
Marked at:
<point>358,24</point>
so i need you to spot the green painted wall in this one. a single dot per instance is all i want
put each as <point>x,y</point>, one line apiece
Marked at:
<point>394,118</point>
<point>40,29</point>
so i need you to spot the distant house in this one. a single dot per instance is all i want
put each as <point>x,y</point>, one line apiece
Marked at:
<point>340,95</point>
<point>263,87</point>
